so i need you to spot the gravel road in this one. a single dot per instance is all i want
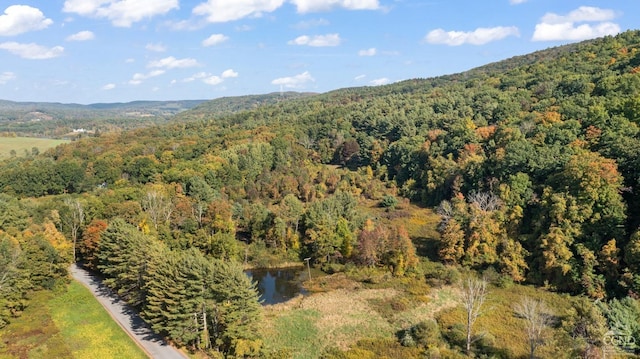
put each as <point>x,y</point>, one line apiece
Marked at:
<point>127,318</point>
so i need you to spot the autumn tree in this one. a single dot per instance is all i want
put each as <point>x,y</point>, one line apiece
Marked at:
<point>91,242</point>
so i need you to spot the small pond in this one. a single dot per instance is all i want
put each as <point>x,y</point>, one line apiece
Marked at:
<point>277,285</point>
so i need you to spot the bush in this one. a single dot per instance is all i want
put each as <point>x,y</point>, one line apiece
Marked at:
<point>426,333</point>
<point>389,201</point>
<point>456,335</point>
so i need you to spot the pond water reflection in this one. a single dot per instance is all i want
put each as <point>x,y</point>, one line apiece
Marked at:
<point>277,285</point>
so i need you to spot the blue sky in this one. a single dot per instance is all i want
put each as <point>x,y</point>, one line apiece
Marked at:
<point>88,51</point>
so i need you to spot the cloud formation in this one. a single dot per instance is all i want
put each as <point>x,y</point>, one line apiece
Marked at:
<point>32,51</point>
<point>573,27</point>
<point>81,36</point>
<point>297,81</point>
<point>156,47</point>
<point>226,74</point>
<point>479,36</point>
<point>303,25</point>
<point>121,13</point>
<point>18,19</point>
<point>173,63</point>
<point>317,41</point>
<point>139,77</point>
<point>306,6</point>
<point>229,10</point>
<point>516,2</point>
<point>380,81</point>
<point>6,77</point>
<point>368,52</point>
<point>109,87</point>
<point>211,79</point>
<point>214,39</point>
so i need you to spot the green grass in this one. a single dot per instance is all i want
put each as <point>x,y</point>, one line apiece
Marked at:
<point>87,328</point>
<point>70,324</point>
<point>296,333</point>
<point>22,144</point>
<point>34,334</point>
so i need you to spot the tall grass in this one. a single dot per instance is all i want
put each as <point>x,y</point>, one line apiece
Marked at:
<point>87,328</point>
<point>66,324</point>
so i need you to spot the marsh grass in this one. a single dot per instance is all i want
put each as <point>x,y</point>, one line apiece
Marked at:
<point>504,329</point>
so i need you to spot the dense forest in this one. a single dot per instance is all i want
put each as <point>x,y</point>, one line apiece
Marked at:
<point>533,165</point>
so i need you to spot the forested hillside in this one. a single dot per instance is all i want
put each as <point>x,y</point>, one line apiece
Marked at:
<point>533,165</point>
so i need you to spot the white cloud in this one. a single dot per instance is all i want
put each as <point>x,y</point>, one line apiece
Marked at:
<point>305,6</point>
<point>554,27</point>
<point>516,2</point>
<point>173,63</point>
<point>229,74</point>
<point>32,51</point>
<point>122,13</point>
<point>214,39</point>
<point>317,41</point>
<point>479,36</point>
<point>139,77</point>
<point>297,81</point>
<point>581,14</point>
<point>109,86</point>
<point>156,47</point>
<point>6,77</point>
<point>199,75</point>
<point>380,81</point>
<point>81,36</point>
<point>303,25</point>
<point>360,77</point>
<point>18,19</point>
<point>213,80</point>
<point>369,52</point>
<point>229,10</point>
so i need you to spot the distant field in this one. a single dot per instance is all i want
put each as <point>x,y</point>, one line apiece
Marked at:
<point>22,144</point>
<point>71,324</point>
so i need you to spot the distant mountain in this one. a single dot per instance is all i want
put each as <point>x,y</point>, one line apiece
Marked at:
<point>19,111</point>
<point>228,105</point>
<point>57,119</point>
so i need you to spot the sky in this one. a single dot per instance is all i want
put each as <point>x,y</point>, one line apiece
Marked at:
<point>93,51</point>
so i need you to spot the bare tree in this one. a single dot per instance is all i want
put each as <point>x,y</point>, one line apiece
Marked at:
<point>158,206</point>
<point>486,201</point>
<point>75,220</point>
<point>474,294</point>
<point>537,318</point>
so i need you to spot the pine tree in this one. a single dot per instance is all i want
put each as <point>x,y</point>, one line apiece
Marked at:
<point>233,309</point>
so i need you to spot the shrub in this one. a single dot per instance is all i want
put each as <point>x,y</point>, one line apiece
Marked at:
<point>389,201</point>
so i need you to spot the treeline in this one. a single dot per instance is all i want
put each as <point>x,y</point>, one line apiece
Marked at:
<point>533,164</point>
<point>34,254</point>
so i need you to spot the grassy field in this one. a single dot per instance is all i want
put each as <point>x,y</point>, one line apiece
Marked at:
<point>364,319</point>
<point>22,144</point>
<point>66,325</point>
<point>305,327</point>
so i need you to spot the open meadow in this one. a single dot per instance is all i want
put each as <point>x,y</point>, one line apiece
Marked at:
<point>26,145</point>
<point>66,324</point>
